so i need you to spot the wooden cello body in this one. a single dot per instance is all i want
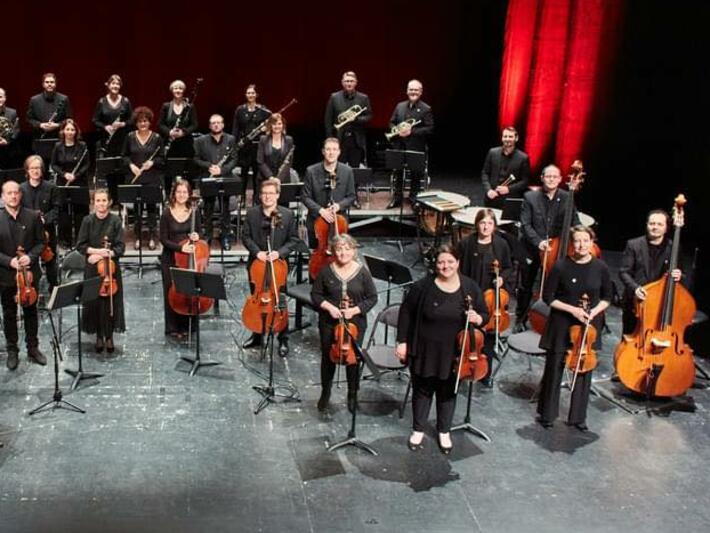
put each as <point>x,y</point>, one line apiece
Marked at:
<point>321,257</point>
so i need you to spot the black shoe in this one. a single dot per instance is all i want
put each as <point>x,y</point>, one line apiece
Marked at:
<point>109,345</point>
<point>99,346</point>
<point>324,399</point>
<point>544,423</point>
<point>582,427</point>
<point>352,401</point>
<point>487,382</point>
<point>36,356</point>
<point>445,444</point>
<point>226,244</point>
<point>13,358</point>
<point>283,347</point>
<point>415,440</point>
<point>252,342</point>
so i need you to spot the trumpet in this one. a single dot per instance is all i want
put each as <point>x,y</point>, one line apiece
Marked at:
<point>396,130</point>
<point>349,115</point>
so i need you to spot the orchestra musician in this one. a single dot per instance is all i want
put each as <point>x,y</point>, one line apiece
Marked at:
<point>500,163</point>
<point>68,154</point>
<point>257,227</point>
<point>175,231</point>
<point>477,253</point>
<point>645,259</point>
<point>143,156</point>
<point>19,226</point>
<point>431,316</point>
<point>104,315</point>
<point>216,156</point>
<point>316,193</point>
<point>344,275</point>
<point>42,195</point>
<point>170,112</point>
<point>413,121</point>
<point>247,117</point>
<point>48,109</point>
<point>274,149</point>
<point>541,217</point>
<point>9,132</point>
<point>569,279</point>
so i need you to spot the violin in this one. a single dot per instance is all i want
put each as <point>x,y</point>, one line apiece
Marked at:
<point>107,272</point>
<point>321,256</point>
<point>655,360</point>
<point>263,310</point>
<point>581,356</point>
<point>342,350</point>
<point>183,304</point>
<point>47,254</point>
<point>472,362</point>
<point>497,299</point>
<point>26,293</point>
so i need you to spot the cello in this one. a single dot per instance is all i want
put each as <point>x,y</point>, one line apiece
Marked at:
<point>263,311</point>
<point>106,270</point>
<point>472,362</point>
<point>342,351</point>
<point>655,360</point>
<point>581,356</point>
<point>324,230</point>
<point>26,293</point>
<point>196,260</point>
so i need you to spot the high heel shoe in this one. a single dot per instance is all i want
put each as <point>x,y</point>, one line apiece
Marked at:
<point>137,244</point>
<point>99,346</point>
<point>109,345</point>
<point>445,444</point>
<point>151,244</point>
<point>415,440</point>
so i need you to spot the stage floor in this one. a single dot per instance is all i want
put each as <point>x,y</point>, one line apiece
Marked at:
<point>158,450</point>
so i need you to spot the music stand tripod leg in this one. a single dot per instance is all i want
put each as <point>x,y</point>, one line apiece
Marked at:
<point>466,425</point>
<point>79,373</point>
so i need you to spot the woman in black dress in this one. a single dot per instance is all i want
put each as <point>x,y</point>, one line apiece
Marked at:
<point>431,316</point>
<point>104,315</point>
<point>143,156</point>
<point>175,227</point>
<point>274,148</point>
<point>178,121</point>
<point>70,165</point>
<point>478,251</point>
<point>344,274</point>
<point>569,279</point>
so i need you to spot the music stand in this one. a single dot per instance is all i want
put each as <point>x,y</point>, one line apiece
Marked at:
<point>14,174</point>
<point>511,209</point>
<point>177,167</point>
<point>222,188</point>
<point>196,284</point>
<point>391,272</point>
<point>106,166</point>
<point>57,402</point>
<point>43,148</point>
<point>290,192</point>
<point>466,425</point>
<point>77,293</point>
<point>138,195</point>
<point>363,180</point>
<point>74,195</point>
<point>404,161</point>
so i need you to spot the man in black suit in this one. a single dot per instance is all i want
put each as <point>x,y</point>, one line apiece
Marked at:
<point>9,132</point>
<point>320,197</point>
<point>19,227</point>
<point>645,259</point>
<point>284,240</point>
<point>48,109</point>
<point>41,195</point>
<point>542,216</point>
<point>413,122</point>
<point>501,162</point>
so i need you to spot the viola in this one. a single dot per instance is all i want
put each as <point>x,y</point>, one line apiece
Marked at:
<point>183,304</point>
<point>581,356</point>
<point>342,351</point>
<point>26,293</point>
<point>47,254</point>
<point>107,272</point>
<point>321,256</point>
<point>497,299</point>
<point>655,360</point>
<point>472,362</point>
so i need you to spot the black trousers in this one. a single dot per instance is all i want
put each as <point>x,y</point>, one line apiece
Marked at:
<point>249,168</point>
<point>9,314</point>
<point>327,367</point>
<point>350,152</point>
<point>548,405</point>
<point>423,389</point>
<point>527,280</point>
<point>208,213</point>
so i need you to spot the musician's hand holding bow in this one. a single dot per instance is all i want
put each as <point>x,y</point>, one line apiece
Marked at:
<point>332,310</point>
<point>474,318</point>
<point>350,312</point>
<point>267,256</point>
<point>18,262</point>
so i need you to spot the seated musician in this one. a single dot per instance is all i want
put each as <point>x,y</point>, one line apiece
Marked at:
<point>645,259</point>
<point>500,163</point>
<point>318,196</point>
<point>542,216</point>
<point>216,155</point>
<point>247,118</point>
<point>19,226</point>
<point>48,109</point>
<point>275,154</point>
<point>284,239</point>
<point>431,316</point>
<point>9,132</point>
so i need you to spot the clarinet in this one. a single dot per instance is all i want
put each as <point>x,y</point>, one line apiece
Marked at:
<point>286,161</point>
<point>53,116</point>
<point>189,102</point>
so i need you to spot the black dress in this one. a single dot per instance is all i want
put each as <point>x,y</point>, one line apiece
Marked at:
<point>96,317</point>
<point>182,146</point>
<point>172,233</point>
<point>106,114</point>
<point>64,160</point>
<point>137,153</point>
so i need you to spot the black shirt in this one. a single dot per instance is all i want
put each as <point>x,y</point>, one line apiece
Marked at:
<point>65,159</point>
<point>43,106</point>
<point>209,151</point>
<point>245,120</point>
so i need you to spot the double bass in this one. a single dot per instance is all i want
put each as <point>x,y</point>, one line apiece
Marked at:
<point>26,293</point>
<point>472,362</point>
<point>581,356</point>
<point>342,351</point>
<point>655,360</point>
<point>324,230</point>
<point>106,270</point>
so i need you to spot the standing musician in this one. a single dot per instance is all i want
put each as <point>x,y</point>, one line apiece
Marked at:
<point>352,134</point>
<point>180,134</point>
<point>176,236</point>
<point>275,153</point>
<point>247,117</point>
<point>48,109</point>
<point>344,276</point>
<point>70,165</point>
<point>104,315</point>
<point>477,253</point>
<point>541,217</point>
<point>9,132</point>
<point>570,278</point>
<point>19,227</point>
<point>216,155</point>
<point>645,259</point>
<point>412,122</point>
<point>143,157</point>
<point>500,163</point>
<point>431,316</point>
<point>316,194</point>
<point>113,117</point>
<point>41,195</point>
<point>257,227</point>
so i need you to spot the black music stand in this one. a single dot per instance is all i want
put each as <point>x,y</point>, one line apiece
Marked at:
<point>404,161</point>
<point>43,147</point>
<point>14,174</point>
<point>466,425</point>
<point>511,209</point>
<point>107,166</point>
<point>363,180</point>
<point>290,192</point>
<point>223,189</point>
<point>74,195</point>
<point>77,293</point>
<point>138,195</point>
<point>57,402</point>
<point>177,167</point>
<point>196,284</point>
<point>391,272</point>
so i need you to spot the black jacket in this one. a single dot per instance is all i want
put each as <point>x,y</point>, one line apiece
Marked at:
<point>537,222</point>
<point>315,195</point>
<point>41,108</point>
<point>263,157</point>
<point>30,236</point>
<point>339,102</point>
<point>285,236</point>
<point>11,115</point>
<point>47,200</point>
<point>635,269</point>
<point>420,132</point>
<point>519,166</point>
<point>478,268</point>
